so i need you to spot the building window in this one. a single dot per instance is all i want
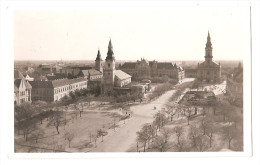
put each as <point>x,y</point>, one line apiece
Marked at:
<point>108,65</point>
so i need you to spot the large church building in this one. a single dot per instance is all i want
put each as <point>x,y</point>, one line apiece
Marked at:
<point>209,70</point>
<point>112,77</point>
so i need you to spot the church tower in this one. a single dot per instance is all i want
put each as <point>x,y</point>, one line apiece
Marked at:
<point>99,62</point>
<point>109,70</point>
<point>208,50</point>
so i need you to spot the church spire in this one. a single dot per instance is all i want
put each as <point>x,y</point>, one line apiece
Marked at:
<point>110,53</point>
<point>110,46</point>
<point>208,44</point>
<point>98,56</point>
<point>208,50</point>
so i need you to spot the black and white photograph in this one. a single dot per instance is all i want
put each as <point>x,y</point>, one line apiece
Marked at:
<point>153,77</point>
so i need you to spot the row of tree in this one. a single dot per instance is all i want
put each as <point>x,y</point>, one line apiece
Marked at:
<point>159,90</point>
<point>198,136</point>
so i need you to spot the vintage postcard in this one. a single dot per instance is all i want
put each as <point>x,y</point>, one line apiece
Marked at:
<point>97,78</point>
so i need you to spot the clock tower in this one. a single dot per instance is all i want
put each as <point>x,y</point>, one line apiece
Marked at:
<point>109,71</point>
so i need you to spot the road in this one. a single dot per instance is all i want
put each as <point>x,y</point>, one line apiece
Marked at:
<point>125,137</point>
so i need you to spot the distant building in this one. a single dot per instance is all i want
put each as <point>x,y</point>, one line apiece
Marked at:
<point>112,77</point>
<point>55,90</point>
<point>30,70</point>
<point>56,76</point>
<point>28,78</point>
<point>145,68</point>
<point>191,72</point>
<point>121,78</point>
<point>234,87</point>
<point>46,69</point>
<point>138,89</point>
<point>22,89</point>
<point>73,71</point>
<point>91,74</point>
<point>209,70</point>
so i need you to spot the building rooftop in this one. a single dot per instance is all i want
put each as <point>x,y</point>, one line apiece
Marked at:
<point>55,83</point>
<point>122,75</point>
<point>91,72</point>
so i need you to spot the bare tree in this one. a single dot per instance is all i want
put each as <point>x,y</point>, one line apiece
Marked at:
<point>201,143</point>
<point>28,126</point>
<point>179,147</point>
<point>80,111</point>
<point>24,119</point>
<point>179,131</point>
<point>203,112</point>
<point>161,142</point>
<point>189,111</point>
<point>193,134</point>
<point>229,135</point>
<point>204,126</point>
<point>209,133</point>
<point>144,135</point>
<point>170,111</point>
<point>160,119</point>
<point>101,133</point>
<point>37,134</point>
<point>69,137</point>
<point>57,120</point>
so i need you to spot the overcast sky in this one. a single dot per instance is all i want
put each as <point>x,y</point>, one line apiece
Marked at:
<point>176,33</point>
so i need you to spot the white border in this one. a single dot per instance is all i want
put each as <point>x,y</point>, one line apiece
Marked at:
<point>7,9</point>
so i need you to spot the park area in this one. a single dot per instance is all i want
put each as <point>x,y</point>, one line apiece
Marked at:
<point>168,119</point>
<point>192,125</point>
<point>69,130</point>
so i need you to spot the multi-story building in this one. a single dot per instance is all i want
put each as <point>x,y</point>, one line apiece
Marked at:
<point>22,89</point>
<point>28,78</point>
<point>191,72</point>
<point>234,86</point>
<point>112,77</point>
<point>145,68</point>
<point>73,71</point>
<point>209,70</point>
<point>91,74</point>
<point>55,90</point>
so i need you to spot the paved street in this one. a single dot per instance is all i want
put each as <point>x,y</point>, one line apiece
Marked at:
<point>125,137</point>
<point>122,139</point>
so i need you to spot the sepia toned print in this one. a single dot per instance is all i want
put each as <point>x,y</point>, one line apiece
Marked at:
<point>72,98</point>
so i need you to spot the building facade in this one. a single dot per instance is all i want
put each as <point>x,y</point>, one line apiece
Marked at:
<point>145,69</point>
<point>55,90</point>
<point>111,77</point>
<point>22,89</point>
<point>209,70</point>
<point>234,86</point>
